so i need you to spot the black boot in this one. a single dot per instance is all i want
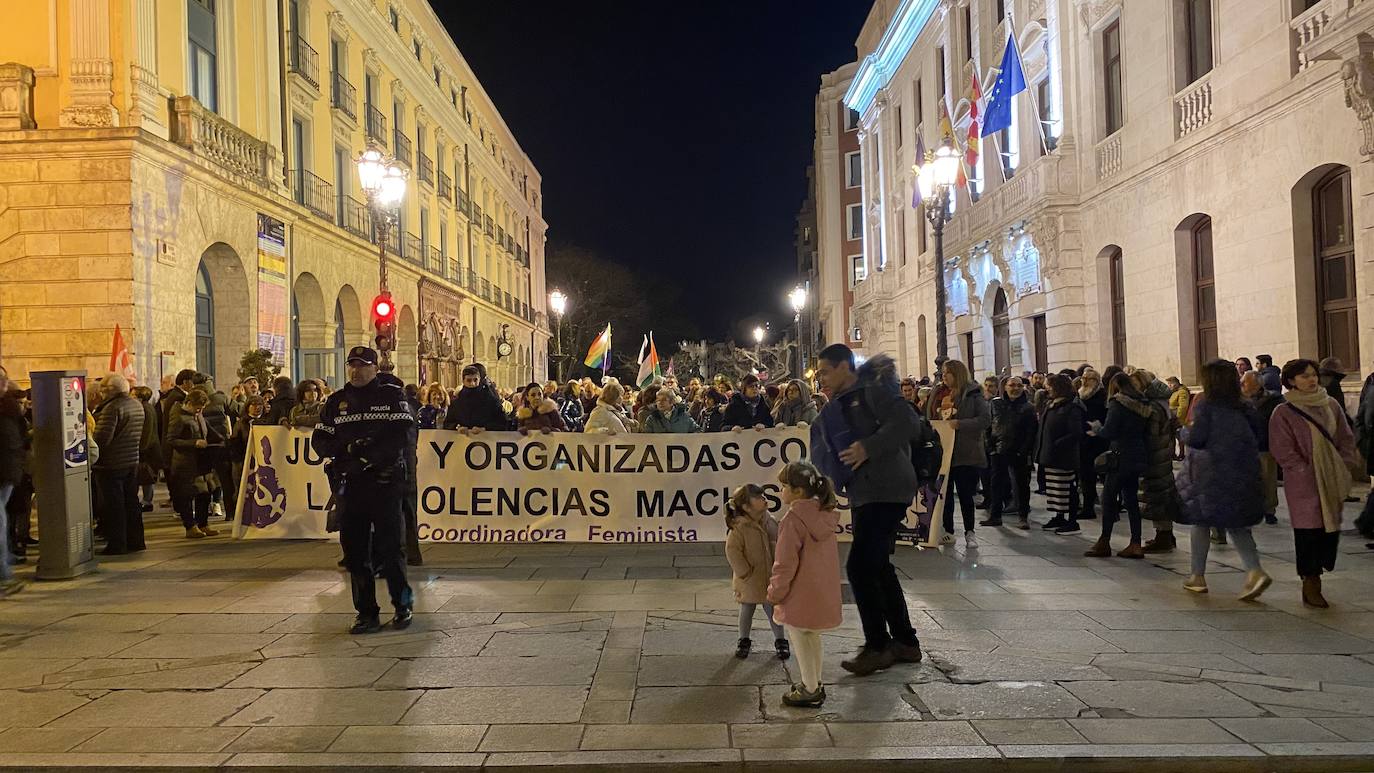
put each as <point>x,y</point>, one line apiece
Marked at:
<point>742,651</point>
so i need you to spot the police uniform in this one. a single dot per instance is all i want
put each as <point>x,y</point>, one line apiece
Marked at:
<point>365,431</point>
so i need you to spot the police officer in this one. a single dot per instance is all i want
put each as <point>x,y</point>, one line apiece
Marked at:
<point>411,492</point>
<point>365,428</point>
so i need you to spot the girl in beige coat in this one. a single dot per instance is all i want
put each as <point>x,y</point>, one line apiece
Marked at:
<point>749,545</point>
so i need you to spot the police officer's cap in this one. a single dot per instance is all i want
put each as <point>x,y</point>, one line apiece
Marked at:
<point>362,354</point>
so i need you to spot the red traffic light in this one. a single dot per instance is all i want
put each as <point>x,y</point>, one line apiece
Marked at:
<point>382,307</point>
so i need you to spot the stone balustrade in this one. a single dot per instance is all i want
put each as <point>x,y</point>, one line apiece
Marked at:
<point>1307,27</point>
<point>214,139</point>
<point>1193,106</point>
<point>1109,157</point>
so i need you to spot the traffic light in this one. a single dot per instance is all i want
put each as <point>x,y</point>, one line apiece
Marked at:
<point>384,320</point>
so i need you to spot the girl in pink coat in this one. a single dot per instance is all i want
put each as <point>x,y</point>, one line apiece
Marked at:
<point>805,586</point>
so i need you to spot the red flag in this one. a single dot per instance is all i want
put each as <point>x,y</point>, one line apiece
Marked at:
<point>121,361</point>
<point>975,96</point>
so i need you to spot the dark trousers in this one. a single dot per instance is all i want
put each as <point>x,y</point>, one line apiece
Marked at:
<point>371,534</point>
<point>1010,480</point>
<point>1316,550</point>
<point>985,480</point>
<point>224,470</point>
<point>1087,477</point>
<point>963,479</point>
<point>193,508</point>
<point>20,509</point>
<point>412,522</point>
<point>1040,478</point>
<point>121,514</point>
<point>1120,491</point>
<point>877,592</point>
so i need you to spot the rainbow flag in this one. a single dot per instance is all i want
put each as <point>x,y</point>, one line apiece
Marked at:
<point>599,356</point>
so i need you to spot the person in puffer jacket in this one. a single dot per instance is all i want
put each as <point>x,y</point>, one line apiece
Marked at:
<point>539,413</point>
<point>1012,436</point>
<point>1159,500</point>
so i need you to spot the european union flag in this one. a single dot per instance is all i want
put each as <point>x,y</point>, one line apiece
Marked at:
<point>1011,80</point>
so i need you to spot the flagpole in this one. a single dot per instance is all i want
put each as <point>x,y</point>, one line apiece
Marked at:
<point>1035,103</point>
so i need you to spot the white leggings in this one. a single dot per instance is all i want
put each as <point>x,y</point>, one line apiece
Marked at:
<point>807,647</point>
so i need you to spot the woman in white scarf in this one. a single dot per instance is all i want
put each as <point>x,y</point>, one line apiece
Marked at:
<point>1312,441</point>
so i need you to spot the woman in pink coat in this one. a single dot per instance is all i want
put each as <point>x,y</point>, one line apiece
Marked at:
<point>805,586</point>
<point>1311,440</point>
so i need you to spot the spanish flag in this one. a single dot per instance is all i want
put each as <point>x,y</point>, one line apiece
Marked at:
<point>599,356</point>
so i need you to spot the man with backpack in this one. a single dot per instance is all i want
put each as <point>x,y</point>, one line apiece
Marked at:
<point>862,442</point>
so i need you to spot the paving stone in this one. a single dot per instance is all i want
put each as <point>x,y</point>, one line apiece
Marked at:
<point>1161,699</point>
<point>1352,729</point>
<point>525,738</point>
<point>409,738</point>
<point>1132,620</point>
<point>1311,667</point>
<point>649,736</point>
<point>694,640</point>
<point>850,755</point>
<point>508,604</point>
<point>1278,730</point>
<point>869,734</point>
<point>497,706</point>
<point>586,643</point>
<point>71,644</point>
<point>180,645</point>
<point>96,621</point>
<point>1361,751</point>
<point>1055,641</point>
<point>44,739</point>
<point>1022,731</point>
<point>488,671</point>
<point>1264,679</point>
<point>667,670</point>
<point>1129,751</point>
<point>696,705</point>
<point>612,602</point>
<point>457,645</point>
<point>194,678</point>
<point>1306,642</point>
<point>285,739</point>
<point>606,712</point>
<point>1326,701</point>
<point>665,759</point>
<point>111,761</point>
<point>218,623</point>
<point>1172,642</point>
<point>31,672</point>
<point>613,686</point>
<point>859,702</point>
<point>169,739</point>
<point>1045,621</point>
<point>316,672</point>
<point>1250,620</point>
<point>998,700</point>
<point>173,708</point>
<point>356,760</point>
<point>296,707</point>
<point>1131,731</point>
<point>293,644</point>
<point>977,667</point>
<point>791,735</point>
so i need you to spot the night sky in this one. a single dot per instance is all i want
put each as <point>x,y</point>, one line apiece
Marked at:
<point>671,137</point>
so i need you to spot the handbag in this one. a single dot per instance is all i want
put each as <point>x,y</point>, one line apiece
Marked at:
<point>205,484</point>
<point>1107,462</point>
<point>1352,469</point>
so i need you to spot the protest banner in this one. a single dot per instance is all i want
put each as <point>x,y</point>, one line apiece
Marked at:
<point>498,487</point>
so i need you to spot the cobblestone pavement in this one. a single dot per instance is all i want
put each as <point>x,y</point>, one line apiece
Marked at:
<point>219,653</point>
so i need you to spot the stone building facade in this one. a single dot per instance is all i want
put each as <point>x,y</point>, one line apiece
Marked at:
<point>1201,187</point>
<point>185,169</point>
<point>838,193</point>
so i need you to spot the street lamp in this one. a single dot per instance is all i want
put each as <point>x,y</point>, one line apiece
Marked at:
<point>798,299</point>
<point>558,303</point>
<point>936,180</point>
<point>384,184</point>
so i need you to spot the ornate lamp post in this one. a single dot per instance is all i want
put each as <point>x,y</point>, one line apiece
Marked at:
<point>558,303</point>
<point>936,180</point>
<point>798,300</point>
<point>384,184</point>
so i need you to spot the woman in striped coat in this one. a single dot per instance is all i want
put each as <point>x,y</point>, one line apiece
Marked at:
<point>1057,451</point>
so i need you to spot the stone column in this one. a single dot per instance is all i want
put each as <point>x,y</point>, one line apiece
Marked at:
<point>16,97</point>
<point>147,104</point>
<point>92,71</point>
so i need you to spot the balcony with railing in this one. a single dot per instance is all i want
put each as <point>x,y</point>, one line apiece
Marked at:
<point>486,289</point>
<point>509,302</point>
<point>394,242</point>
<point>501,236</point>
<point>445,187</point>
<point>1109,156</point>
<point>476,214</point>
<point>464,205</point>
<point>472,280</point>
<point>305,62</point>
<point>401,147</point>
<point>357,218</point>
<point>425,166</point>
<point>436,263</point>
<point>343,97</point>
<point>226,146</point>
<point>414,250</point>
<point>313,192</point>
<point>1193,106</point>
<point>491,226</point>
<point>1306,28</point>
<point>455,271</point>
<point>376,125</point>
